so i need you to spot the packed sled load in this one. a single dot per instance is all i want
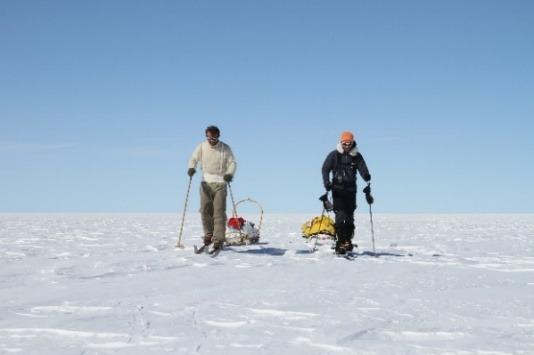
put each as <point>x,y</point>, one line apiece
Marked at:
<point>319,225</point>
<point>242,232</point>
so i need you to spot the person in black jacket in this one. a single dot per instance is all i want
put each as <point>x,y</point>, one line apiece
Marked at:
<point>344,162</point>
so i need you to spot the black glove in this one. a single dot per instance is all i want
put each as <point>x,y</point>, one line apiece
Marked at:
<point>367,178</point>
<point>328,186</point>
<point>326,203</point>
<point>191,171</point>
<point>228,177</point>
<point>370,199</point>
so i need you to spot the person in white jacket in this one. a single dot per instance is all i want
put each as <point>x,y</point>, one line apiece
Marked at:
<point>218,168</point>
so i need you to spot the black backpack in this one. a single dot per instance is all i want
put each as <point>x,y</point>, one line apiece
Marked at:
<point>345,171</point>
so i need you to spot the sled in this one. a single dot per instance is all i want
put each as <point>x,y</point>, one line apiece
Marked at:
<point>320,226</point>
<point>242,232</point>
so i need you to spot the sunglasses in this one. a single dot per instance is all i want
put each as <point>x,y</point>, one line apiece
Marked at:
<point>346,144</point>
<point>212,139</point>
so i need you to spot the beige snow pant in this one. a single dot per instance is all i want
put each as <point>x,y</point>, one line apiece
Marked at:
<point>213,209</point>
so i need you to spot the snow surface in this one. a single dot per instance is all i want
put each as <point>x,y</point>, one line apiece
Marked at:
<point>107,284</point>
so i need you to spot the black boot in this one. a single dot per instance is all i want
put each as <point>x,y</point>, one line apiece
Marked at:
<point>207,239</point>
<point>217,245</point>
<point>344,246</point>
<point>348,245</point>
<point>341,247</point>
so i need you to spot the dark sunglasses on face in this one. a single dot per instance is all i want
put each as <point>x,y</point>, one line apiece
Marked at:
<point>212,139</point>
<point>346,144</point>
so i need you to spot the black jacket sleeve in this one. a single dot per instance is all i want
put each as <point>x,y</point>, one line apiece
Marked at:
<point>328,166</point>
<point>362,168</point>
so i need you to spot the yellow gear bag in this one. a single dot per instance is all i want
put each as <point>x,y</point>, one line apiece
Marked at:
<point>319,225</point>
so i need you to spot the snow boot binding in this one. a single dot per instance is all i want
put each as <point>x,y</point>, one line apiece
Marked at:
<point>207,242</point>
<point>216,248</point>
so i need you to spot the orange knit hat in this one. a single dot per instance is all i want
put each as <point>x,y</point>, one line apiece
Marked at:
<point>346,136</point>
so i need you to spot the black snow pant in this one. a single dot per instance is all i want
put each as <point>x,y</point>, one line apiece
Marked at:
<point>344,207</point>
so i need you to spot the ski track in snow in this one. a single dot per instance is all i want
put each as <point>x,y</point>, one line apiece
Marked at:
<point>106,284</point>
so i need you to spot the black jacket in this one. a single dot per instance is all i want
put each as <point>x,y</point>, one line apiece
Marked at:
<point>344,166</point>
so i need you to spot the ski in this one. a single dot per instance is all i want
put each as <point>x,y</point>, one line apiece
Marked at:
<point>214,252</point>
<point>200,250</point>
<point>348,255</point>
<point>204,249</point>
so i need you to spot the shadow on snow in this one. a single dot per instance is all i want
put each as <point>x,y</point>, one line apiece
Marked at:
<point>267,251</point>
<point>384,253</point>
<point>356,254</point>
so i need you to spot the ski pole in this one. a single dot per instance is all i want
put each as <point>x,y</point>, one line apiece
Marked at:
<point>318,232</point>
<point>234,212</point>
<point>326,208</point>
<point>179,243</point>
<point>370,201</point>
<point>372,229</point>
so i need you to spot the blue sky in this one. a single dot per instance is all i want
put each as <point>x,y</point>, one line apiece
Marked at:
<point>102,102</point>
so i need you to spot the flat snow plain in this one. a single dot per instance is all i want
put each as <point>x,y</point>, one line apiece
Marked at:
<point>115,284</point>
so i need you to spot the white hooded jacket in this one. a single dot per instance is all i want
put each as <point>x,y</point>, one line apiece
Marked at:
<point>215,161</point>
